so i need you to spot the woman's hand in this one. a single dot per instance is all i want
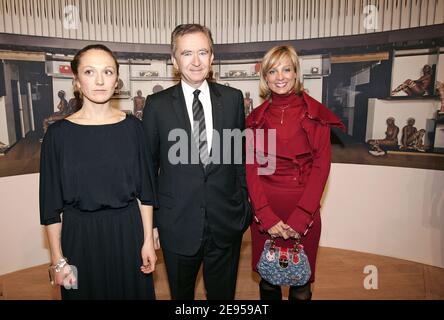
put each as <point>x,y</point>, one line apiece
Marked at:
<point>292,233</point>
<point>149,257</point>
<point>65,277</point>
<point>70,280</point>
<point>283,230</point>
<point>279,230</point>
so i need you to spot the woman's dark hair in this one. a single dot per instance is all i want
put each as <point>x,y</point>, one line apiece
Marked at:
<point>76,60</point>
<point>75,67</point>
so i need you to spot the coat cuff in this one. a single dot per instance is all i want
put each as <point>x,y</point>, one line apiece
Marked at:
<point>266,218</point>
<point>49,221</point>
<point>300,221</point>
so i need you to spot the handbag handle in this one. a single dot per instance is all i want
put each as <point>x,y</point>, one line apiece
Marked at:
<point>297,247</point>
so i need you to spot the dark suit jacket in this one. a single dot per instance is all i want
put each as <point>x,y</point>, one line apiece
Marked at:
<point>187,192</point>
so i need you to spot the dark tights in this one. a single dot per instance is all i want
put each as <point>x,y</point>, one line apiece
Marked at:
<point>300,293</point>
<point>269,291</point>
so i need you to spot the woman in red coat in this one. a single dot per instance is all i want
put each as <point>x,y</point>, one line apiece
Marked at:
<point>286,203</point>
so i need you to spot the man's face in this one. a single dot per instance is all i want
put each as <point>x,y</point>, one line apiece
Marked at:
<point>193,58</point>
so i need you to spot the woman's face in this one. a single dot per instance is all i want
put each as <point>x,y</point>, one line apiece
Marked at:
<point>281,77</point>
<point>97,76</point>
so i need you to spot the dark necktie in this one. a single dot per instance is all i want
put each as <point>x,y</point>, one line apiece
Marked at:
<point>199,131</point>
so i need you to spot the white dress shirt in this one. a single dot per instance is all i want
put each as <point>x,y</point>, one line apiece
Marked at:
<point>205,99</point>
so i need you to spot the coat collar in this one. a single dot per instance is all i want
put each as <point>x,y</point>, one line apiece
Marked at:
<point>180,108</point>
<point>314,110</point>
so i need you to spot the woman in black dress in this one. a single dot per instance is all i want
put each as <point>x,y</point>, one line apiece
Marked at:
<point>94,166</point>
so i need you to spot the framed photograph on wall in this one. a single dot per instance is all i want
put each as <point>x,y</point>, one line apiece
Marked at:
<point>414,74</point>
<point>123,90</point>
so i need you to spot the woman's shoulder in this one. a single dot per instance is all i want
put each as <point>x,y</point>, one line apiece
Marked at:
<point>321,114</point>
<point>133,120</point>
<point>134,124</point>
<point>56,127</point>
<point>55,133</point>
<point>256,113</point>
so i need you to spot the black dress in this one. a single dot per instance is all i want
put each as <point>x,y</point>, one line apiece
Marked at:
<point>93,175</point>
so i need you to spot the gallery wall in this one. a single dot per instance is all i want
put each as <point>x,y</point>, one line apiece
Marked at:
<point>395,212</point>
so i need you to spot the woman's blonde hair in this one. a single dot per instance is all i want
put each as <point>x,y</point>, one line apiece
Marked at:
<point>273,57</point>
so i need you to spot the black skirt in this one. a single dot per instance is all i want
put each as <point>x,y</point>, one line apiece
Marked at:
<point>105,248</point>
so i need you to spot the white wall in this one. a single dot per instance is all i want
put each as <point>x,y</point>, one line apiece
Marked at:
<point>398,212</point>
<point>22,242</point>
<point>314,87</point>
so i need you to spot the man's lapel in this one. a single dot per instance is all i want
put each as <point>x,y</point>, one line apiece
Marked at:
<point>216,106</point>
<point>180,108</point>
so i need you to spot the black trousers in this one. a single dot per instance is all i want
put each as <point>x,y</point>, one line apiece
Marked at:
<point>219,270</point>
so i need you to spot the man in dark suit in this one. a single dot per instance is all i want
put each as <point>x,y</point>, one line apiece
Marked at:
<point>203,204</point>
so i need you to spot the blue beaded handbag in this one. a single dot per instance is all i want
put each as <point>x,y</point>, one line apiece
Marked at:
<point>284,266</point>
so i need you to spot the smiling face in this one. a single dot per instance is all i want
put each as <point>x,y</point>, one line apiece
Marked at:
<point>193,58</point>
<point>281,77</point>
<point>97,76</point>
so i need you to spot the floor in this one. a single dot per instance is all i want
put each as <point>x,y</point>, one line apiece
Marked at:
<point>21,158</point>
<point>340,275</point>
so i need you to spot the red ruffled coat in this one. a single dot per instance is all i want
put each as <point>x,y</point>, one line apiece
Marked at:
<point>303,156</point>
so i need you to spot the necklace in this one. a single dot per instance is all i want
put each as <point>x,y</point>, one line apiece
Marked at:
<point>283,110</point>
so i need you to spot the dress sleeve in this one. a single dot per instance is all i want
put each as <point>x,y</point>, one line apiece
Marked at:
<point>147,190</point>
<point>240,168</point>
<point>50,194</point>
<point>264,215</point>
<point>302,217</point>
